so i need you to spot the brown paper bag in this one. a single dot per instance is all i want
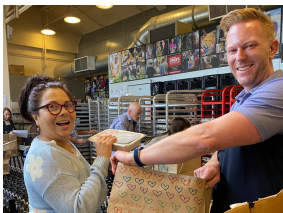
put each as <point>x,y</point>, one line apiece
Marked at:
<point>136,189</point>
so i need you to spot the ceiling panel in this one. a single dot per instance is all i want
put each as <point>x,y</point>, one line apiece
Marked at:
<point>92,17</point>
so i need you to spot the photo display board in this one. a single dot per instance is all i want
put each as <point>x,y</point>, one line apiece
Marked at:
<point>175,44</point>
<point>208,47</point>
<point>174,64</point>
<point>114,66</point>
<point>156,67</point>
<point>275,16</point>
<point>96,86</point>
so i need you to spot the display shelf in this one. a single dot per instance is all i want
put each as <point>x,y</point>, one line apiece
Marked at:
<point>159,114</point>
<point>112,109</point>
<point>146,120</point>
<point>102,114</point>
<point>93,114</point>
<point>82,112</point>
<point>185,104</point>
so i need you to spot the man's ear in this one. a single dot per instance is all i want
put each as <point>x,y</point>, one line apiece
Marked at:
<point>273,48</point>
<point>35,117</point>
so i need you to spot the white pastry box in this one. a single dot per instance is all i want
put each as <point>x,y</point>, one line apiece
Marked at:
<point>126,140</point>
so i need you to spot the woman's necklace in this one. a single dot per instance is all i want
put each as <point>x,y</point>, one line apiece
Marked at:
<point>71,147</point>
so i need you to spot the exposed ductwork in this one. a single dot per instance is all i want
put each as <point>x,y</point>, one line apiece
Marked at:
<point>195,15</point>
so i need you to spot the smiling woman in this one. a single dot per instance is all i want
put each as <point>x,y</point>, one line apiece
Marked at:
<point>57,177</point>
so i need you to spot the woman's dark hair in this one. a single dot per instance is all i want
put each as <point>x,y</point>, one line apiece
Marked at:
<point>177,125</point>
<point>31,93</point>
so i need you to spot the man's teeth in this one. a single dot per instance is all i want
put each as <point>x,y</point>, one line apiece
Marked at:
<point>243,68</point>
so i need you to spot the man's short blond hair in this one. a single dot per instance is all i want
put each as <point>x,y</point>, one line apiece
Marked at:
<point>242,15</point>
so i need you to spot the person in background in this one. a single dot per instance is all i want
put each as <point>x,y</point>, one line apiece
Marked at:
<point>177,125</point>
<point>74,136</point>
<point>203,64</point>
<point>150,71</point>
<point>128,120</point>
<point>8,124</point>
<point>154,50</point>
<point>195,40</point>
<point>214,61</point>
<point>115,66</point>
<point>247,141</point>
<point>163,67</point>
<point>57,177</point>
<point>165,47</point>
<point>172,46</point>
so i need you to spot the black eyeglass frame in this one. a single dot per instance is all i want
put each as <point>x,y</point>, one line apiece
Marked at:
<point>47,105</point>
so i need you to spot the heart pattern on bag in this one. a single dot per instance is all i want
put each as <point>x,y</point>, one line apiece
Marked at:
<point>185,201</point>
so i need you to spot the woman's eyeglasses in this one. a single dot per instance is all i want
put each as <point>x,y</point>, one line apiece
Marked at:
<point>55,109</point>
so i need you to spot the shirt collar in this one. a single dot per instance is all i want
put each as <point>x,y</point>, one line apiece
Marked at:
<point>271,77</point>
<point>128,116</point>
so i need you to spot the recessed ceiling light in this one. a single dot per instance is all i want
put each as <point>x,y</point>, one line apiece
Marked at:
<point>71,19</point>
<point>104,6</point>
<point>48,31</point>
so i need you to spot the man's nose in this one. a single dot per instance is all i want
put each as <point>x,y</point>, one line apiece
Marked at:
<point>241,54</point>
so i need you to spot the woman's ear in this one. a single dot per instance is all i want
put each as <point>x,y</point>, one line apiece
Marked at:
<point>35,117</point>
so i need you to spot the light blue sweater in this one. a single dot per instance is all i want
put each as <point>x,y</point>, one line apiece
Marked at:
<point>59,181</point>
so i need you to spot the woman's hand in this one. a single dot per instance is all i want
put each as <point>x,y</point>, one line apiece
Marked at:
<point>81,141</point>
<point>103,146</point>
<point>124,157</point>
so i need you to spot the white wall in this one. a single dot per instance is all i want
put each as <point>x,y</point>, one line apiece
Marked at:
<point>136,86</point>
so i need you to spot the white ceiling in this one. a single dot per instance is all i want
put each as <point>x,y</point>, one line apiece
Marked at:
<point>92,17</point>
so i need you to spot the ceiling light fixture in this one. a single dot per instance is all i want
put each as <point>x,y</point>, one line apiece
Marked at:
<point>72,19</point>
<point>104,6</point>
<point>48,31</point>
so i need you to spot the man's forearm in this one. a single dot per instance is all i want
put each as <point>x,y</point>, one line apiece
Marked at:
<point>188,144</point>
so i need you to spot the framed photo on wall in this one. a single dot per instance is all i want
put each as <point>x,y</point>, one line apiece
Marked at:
<point>275,16</point>
<point>208,41</point>
<point>114,66</point>
<point>175,44</point>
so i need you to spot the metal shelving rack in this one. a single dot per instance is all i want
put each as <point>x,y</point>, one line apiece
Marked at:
<point>146,120</point>
<point>112,109</point>
<point>185,104</point>
<point>82,112</point>
<point>102,107</point>
<point>159,114</point>
<point>93,114</point>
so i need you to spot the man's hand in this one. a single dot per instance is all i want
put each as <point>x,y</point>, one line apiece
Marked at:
<point>210,172</point>
<point>124,157</point>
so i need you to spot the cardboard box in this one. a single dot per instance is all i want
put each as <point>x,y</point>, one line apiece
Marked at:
<point>10,146</point>
<point>272,204</point>
<point>186,168</point>
<point>6,169</point>
<point>16,69</point>
<point>79,100</point>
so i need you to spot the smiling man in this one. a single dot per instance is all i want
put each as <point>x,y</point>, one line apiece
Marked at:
<point>248,141</point>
